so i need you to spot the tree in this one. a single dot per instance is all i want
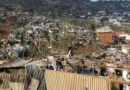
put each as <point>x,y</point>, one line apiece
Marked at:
<point>50,15</point>
<point>18,8</point>
<point>46,35</point>
<point>22,38</point>
<point>92,34</point>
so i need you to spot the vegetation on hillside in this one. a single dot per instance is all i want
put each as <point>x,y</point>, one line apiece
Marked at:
<point>64,7</point>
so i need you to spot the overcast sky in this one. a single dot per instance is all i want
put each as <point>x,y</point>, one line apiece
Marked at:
<point>94,0</point>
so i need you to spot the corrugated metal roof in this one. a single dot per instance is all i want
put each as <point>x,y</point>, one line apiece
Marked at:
<point>69,81</point>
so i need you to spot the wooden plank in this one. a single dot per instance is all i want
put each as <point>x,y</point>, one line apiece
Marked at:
<point>34,84</point>
<point>15,63</point>
<point>120,81</point>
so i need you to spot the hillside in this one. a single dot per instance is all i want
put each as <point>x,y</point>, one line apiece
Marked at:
<point>65,7</point>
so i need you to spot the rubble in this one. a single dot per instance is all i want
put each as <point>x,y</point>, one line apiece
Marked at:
<point>58,46</point>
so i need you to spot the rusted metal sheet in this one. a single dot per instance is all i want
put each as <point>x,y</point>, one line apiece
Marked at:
<point>12,81</point>
<point>5,80</point>
<point>68,81</point>
<point>16,86</point>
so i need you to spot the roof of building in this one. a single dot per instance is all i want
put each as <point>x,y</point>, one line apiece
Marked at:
<point>104,29</point>
<point>119,33</point>
<point>20,63</point>
<point>71,81</point>
<point>14,64</point>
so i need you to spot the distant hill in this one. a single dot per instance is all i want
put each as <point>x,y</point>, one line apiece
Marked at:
<point>65,7</point>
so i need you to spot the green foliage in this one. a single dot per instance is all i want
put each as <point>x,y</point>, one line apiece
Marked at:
<point>22,38</point>
<point>17,32</point>
<point>46,35</point>
<point>65,7</point>
<point>50,15</point>
<point>2,21</point>
<point>18,8</point>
